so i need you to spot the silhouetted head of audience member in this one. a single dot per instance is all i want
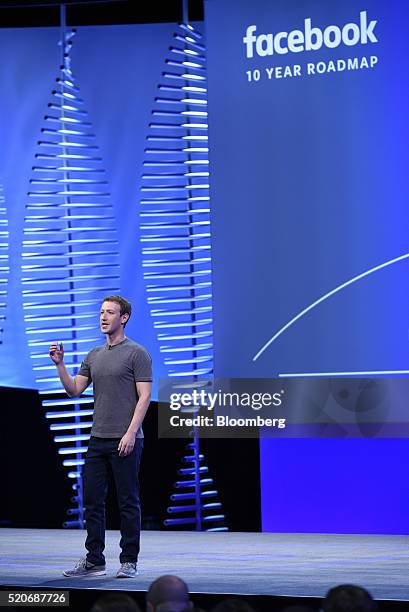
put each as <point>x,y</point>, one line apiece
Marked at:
<point>233,605</point>
<point>168,594</point>
<point>348,598</point>
<point>115,602</point>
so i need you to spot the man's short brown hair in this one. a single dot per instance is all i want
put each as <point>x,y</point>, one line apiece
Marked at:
<point>124,305</point>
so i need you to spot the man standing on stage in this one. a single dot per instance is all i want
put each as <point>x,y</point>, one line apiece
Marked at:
<point>121,373</point>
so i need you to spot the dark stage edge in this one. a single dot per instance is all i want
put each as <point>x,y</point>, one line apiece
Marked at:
<point>293,565</point>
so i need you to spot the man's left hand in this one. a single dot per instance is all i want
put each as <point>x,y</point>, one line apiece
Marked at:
<point>126,444</point>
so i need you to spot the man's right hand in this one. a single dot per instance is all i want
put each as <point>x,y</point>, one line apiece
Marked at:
<point>57,352</point>
<point>73,386</point>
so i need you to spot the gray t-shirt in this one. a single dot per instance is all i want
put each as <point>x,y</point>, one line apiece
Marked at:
<point>114,371</point>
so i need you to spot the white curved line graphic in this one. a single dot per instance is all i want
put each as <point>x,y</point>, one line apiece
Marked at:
<point>326,296</point>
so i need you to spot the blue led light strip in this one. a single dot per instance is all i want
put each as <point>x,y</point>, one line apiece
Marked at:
<point>4,260</point>
<point>70,262</point>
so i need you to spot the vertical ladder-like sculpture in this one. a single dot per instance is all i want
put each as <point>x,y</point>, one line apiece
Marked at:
<point>176,249</point>
<point>70,262</point>
<point>4,260</point>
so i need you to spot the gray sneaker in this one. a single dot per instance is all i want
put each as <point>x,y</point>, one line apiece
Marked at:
<point>127,570</point>
<point>83,568</point>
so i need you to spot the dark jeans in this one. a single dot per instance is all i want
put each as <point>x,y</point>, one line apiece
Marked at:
<point>102,455</point>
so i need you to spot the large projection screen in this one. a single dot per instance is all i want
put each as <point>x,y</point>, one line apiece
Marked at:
<point>309,189</point>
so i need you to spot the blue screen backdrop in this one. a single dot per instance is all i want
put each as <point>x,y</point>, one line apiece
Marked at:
<point>310,219</point>
<point>309,189</point>
<point>118,69</point>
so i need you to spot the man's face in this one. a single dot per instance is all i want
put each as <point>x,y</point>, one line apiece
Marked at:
<point>111,319</point>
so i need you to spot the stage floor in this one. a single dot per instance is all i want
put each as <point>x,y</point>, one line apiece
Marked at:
<point>294,565</point>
